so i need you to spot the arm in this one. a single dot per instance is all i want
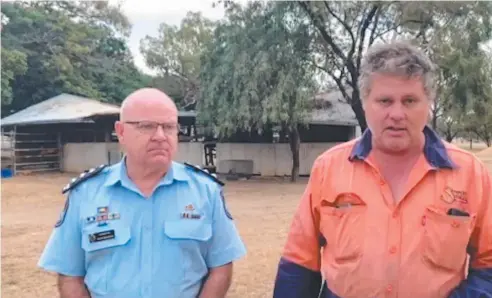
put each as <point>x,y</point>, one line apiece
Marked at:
<point>225,247</point>
<point>72,287</point>
<point>479,280</point>
<point>298,273</point>
<point>63,253</point>
<point>218,282</point>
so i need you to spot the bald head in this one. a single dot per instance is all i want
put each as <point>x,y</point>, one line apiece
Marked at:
<point>146,99</point>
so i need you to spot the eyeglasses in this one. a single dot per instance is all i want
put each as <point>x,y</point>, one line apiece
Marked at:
<point>150,127</point>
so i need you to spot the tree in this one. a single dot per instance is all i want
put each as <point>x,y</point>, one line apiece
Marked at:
<point>172,85</point>
<point>480,123</point>
<point>176,52</point>
<point>464,93</point>
<point>256,73</point>
<point>450,123</point>
<point>460,60</point>
<point>73,47</point>
<point>13,64</point>
<point>346,29</point>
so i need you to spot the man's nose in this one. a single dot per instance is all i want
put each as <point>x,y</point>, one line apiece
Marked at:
<point>397,112</point>
<point>159,133</point>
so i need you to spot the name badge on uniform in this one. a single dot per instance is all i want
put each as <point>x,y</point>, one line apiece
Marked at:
<point>188,213</point>
<point>101,236</point>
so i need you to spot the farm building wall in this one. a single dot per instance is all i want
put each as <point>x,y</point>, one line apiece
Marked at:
<point>78,157</point>
<point>269,159</point>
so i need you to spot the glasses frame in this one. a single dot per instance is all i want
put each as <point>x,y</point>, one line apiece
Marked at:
<point>165,127</point>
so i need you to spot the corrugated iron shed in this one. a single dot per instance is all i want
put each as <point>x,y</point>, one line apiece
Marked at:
<point>68,108</point>
<point>64,108</point>
<point>338,112</point>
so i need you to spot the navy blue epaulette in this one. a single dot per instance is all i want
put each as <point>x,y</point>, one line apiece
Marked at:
<point>83,177</point>
<point>205,172</point>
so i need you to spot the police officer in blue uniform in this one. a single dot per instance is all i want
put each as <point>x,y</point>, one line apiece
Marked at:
<point>147,226</point>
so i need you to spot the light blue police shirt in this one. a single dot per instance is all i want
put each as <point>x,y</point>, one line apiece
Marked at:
<point>127,246</point>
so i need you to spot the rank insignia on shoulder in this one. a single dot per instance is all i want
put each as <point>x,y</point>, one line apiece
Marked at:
<point>63,214</point>
<point>228,214</point>
<point>206,172</point>
<point>83,177</point>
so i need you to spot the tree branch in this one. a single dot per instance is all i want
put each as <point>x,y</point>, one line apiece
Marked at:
<point>340,85</point>
<point>324,33</point>
<point>346,26</point>
<point>365,25</point>
<point>373,31</point>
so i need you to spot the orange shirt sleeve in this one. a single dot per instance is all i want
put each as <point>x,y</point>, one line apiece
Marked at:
<point>303,240</point>
<point>481,240</point>
<point>479,280</point>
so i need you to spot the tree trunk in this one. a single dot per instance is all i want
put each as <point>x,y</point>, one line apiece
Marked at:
<point>449,134</point>
<point>294,142</point>
<point>358,110</point>
<point>434,119</point>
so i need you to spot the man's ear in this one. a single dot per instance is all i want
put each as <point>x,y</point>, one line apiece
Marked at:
<point>118,128</point>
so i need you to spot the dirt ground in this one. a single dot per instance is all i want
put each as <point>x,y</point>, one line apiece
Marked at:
<point>31,205</point>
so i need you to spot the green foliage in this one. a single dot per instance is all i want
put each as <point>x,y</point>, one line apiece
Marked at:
<point>172,85</point>
<point>71,47</point>
<point>176,52</point>
<point>477,119</point>
<point>255,72</point>
<point>13,64</point>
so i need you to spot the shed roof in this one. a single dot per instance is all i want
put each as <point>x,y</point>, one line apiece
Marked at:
<point>336,110</point>
<point>64,108</point>
<point>68,108</point>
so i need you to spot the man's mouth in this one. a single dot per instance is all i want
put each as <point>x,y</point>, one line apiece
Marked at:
<point>392,128</point>
<point>157,150</point>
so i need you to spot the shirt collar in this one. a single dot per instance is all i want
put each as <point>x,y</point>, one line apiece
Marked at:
<point>434,150</point>
<point>119,174</point>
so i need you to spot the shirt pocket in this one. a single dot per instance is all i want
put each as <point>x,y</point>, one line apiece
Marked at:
<point>343,229</point>
<point>445,239</point>
<point>100,254</point>
<point>186,244</point>
<point>189,230</point>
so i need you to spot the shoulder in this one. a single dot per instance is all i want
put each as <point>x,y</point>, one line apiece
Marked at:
<point>86,176</point>
<point>465,160</point>
<point>337,153</point>
<point>201,175</point>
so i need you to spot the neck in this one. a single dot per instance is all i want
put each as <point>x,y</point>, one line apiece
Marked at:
<point>410,156</point>
<point>143,175</point>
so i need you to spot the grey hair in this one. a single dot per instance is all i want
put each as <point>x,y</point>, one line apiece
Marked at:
<point>397,58</point>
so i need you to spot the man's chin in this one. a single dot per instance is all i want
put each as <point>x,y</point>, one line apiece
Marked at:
<point>159,160</point>
<point>396,147</point>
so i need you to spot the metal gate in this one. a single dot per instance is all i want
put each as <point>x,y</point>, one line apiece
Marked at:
<point>31,152</point>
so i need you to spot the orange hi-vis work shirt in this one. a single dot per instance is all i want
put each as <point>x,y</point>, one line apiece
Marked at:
<point>349,231</point>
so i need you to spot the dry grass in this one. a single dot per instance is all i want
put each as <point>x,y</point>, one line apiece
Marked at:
<point>31,205</point>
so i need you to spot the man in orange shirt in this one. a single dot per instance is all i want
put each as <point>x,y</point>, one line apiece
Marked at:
<point>396,212</point>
